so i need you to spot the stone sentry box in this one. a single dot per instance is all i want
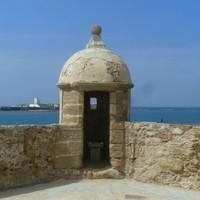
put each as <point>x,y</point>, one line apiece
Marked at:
<point>95,87</point>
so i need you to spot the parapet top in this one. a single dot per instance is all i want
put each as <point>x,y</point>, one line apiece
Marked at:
<point>95,40</point>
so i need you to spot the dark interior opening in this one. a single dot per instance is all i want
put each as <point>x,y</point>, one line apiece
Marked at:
<point>96,127</point>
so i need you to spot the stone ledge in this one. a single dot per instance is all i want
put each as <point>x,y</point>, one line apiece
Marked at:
<point>80,86</point>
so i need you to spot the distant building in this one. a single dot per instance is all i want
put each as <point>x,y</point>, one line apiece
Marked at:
<point>36,100</point>
<point>36,103</point>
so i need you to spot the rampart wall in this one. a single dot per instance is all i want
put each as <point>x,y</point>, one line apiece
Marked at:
<point>31,154</point>
<point>163,153</point>
<point>153,152</point>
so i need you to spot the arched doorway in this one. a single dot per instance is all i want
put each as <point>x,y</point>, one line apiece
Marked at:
<point>96,127</point>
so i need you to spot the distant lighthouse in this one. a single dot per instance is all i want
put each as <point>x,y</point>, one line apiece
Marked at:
<point>36,101</point>
<point>35,104</point>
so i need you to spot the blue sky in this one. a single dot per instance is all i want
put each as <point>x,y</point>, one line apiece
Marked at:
<point>158,39</point>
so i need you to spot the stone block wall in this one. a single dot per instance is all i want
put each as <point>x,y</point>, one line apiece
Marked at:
<point>30,154</point>
<point>71,112</point>
<point>148,152</point>
<point>119,105</point>
<point>118,114</point>
<point>163,153</point>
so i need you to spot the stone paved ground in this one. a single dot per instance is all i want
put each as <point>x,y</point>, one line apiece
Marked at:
<point>102,189</point>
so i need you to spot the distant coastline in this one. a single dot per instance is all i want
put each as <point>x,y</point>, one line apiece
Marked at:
<point>55,107</point>
<point>11,108</point>
<point>35,106</point>
<point>137,114</point>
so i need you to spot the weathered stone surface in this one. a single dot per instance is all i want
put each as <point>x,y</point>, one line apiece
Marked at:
<point>116,109</point>
<point>177,131</point>
<point>74,97</point>
<point>70,133</point>
<point>108,173</point>
<point>94,65</point>
<point>150,152</point>
<point>117,163</point>
<point>117,125</point>
<point>65,161</point>
<point>116,97</point>
<point>163,153</point>
<point>116,150</point>
<point>70,147</point>
<point>28,154</point>
<point>117,136</point>
<point>72,109</point>
<point>72,120</point>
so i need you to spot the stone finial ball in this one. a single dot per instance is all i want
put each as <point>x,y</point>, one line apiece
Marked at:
<point>96,29</point>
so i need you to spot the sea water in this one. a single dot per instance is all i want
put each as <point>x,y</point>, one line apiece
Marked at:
<point>28,117</point>
<point>165,115</point>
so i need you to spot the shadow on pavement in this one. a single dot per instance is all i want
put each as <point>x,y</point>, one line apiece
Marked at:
<point>36,187</point>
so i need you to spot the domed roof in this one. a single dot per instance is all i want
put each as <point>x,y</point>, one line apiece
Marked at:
<point>94,65</point>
